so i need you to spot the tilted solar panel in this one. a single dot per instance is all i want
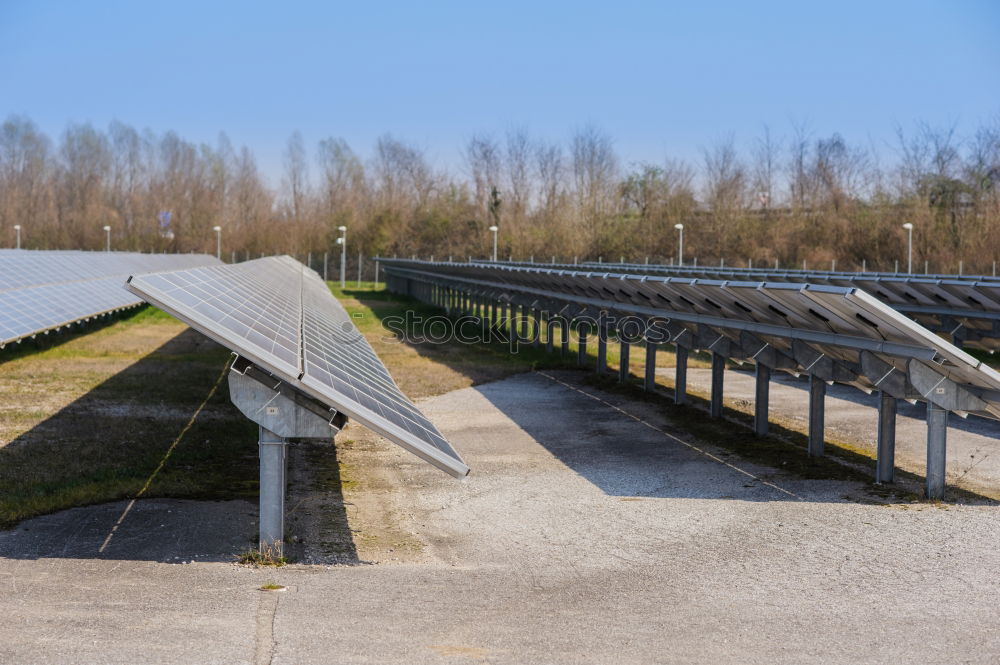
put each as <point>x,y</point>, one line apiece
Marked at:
<point>282,317</point>
<point>964,306</point>
<point>46,290</point>
<point>799,320</point>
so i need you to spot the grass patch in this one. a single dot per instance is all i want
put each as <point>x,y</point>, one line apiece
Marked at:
<point>271,586</point>
<point>269,558</point>
<point>88,421</point>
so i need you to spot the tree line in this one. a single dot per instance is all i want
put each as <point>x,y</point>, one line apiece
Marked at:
<point>780,199</point>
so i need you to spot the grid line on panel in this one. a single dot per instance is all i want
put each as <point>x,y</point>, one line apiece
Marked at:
<point>46,290</point>
<point>280,300</point>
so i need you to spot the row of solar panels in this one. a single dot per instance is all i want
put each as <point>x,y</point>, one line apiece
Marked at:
<point>967,308</point>
<point>798,327</point>
<point>41,291</point>
<point>274,312</point>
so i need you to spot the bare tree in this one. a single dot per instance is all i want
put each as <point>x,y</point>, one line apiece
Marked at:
<point>765,169</point>
<point>724,192</point>
<point>595,174</point>
<point>296,175</point>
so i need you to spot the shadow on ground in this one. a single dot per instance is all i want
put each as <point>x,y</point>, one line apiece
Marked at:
<point>606,459</point>
<point>67,484</point>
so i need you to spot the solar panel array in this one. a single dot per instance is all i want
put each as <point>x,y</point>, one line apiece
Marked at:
<point>802,322</point>
<point>42,291</point>
<point>968,307</point>
<point>281,316</point>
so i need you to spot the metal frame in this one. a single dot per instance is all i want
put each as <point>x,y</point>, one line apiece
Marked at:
<point>965,307</point>
<point>831,333</point>
<point>278,382</point>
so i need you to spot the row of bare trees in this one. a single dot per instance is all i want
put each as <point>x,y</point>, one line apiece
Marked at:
<point>799,197</point>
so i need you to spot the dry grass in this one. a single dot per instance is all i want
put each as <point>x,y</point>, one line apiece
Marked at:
<point>89,418</point>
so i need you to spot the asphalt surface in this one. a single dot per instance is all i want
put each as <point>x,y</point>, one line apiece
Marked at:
<point>591,531</point>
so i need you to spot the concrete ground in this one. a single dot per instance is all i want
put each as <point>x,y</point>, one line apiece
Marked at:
<point>591,531</point>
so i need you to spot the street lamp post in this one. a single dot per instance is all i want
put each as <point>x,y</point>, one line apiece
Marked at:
<point>909,247</point>
<point>342,241</point>
<point>107,237</point>
<point>218,241</point>
<point>17,228</point>
<point>494,229</point>
<point>680,244</point>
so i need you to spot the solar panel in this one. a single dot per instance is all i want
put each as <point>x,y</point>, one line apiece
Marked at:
<point>281,316</point>
<point>838,322</point>
<point>966,307</point>
<point>46,290</point>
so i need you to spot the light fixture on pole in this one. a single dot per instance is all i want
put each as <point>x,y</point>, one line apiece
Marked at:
<point>680,244</point>
<point>494,229</point>
<point>342,241</point>
<point>909,247</point>
<point>17,228</point>
<point>218,241</point>
<point>107,235</point>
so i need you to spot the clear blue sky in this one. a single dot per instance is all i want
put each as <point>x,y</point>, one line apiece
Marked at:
<point>661,78</point>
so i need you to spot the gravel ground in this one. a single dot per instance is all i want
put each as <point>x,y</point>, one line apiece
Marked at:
<point>591,531</point>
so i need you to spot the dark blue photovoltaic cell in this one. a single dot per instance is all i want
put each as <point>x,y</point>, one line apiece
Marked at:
<point>45,290</point>
<point>281,316</point>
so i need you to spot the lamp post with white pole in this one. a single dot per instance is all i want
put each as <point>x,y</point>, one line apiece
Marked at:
<point>342,241</point>
<point>17,228</point>
<point>494,229</point>
<point>107,238</point>
<point>680,244</point>
<point>218,241</point>
<point>909,247</point>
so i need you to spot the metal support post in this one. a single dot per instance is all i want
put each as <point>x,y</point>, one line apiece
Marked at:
<point>602,345</point>
<point>623,362</point>
<point>581,348</point>
<point>817,395</point>
<point>549,342</point>
<point>718,375</point>
<point>650,382</point>
<point>273,465</point>
<point>937,437</point>
<point>762,395</point>
<point>564,333</point>
<point>680,375</point>
<point>885,454</point>
<point>536,327</point>
<point>523,337</point>
<point>280,416</point>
